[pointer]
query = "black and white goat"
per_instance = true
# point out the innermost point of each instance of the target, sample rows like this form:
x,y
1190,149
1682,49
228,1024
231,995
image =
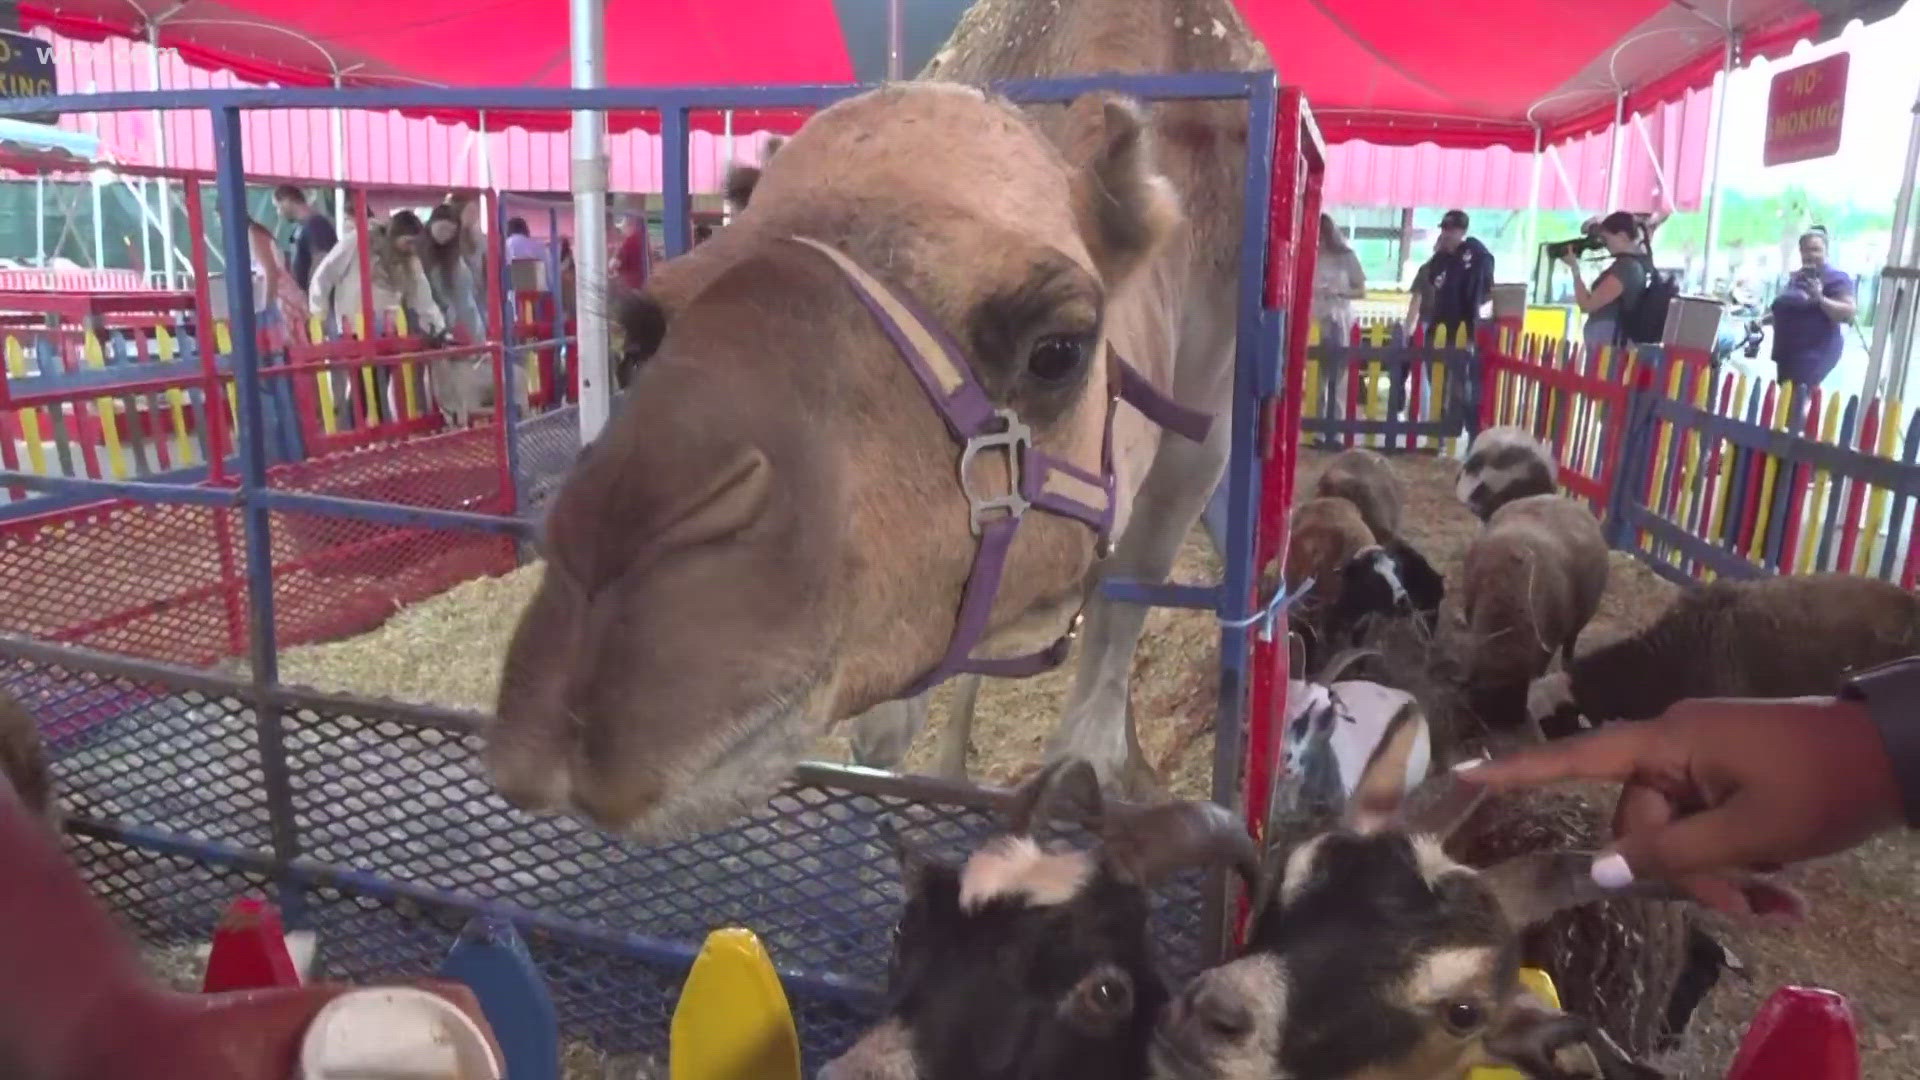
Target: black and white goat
x,y
1504,464
1373,954
1029,963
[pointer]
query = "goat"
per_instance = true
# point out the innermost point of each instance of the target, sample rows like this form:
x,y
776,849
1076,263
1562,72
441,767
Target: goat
x,y
1534,578
1028,963
1372,953
1789,636
1366,479
1354,575
23,760
1504,464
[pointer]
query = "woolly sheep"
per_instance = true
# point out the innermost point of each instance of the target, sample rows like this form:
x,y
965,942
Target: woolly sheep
x,y
1534,578
1504,464
1366,479
1771,637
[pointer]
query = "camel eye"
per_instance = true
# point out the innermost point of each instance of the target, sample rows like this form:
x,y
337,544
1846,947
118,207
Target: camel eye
x,y
1056,358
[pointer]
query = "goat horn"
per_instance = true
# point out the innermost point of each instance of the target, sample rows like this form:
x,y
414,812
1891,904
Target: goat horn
x,y
1145,844
1032,805
1331,671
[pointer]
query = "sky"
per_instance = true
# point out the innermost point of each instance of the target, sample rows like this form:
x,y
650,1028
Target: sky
x,y
1883,79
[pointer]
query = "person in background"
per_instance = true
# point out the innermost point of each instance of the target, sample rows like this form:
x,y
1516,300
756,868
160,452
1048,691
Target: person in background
x,y
1808,314
399,281
566,275
1338,280
633,261
1618,287
520,242
1723,787
274,288
313,235
449,251
1462,274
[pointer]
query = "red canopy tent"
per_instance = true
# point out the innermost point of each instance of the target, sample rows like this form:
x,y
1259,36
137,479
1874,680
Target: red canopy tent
x,y
1469,73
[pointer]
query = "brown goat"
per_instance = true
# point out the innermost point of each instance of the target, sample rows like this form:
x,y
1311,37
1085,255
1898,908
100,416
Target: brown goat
x,y
1366,479
1534,578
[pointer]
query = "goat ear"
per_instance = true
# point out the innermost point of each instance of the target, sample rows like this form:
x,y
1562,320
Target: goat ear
x,y
1126,209
913,862
1441,804
1532,888
1144,845
1425,586
1548,1044
1384,782
1033,802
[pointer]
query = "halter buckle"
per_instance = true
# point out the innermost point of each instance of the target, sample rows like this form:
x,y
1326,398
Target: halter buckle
x,y
1015,437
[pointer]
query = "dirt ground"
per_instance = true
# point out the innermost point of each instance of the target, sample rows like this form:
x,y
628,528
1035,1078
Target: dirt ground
x,y
1860,941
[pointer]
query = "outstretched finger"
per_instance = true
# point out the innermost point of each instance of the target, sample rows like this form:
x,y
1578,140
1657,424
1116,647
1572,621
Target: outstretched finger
x,y
1730,837
1614,752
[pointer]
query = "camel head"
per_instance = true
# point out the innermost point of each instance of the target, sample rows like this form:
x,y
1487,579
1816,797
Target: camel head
x,y
772,534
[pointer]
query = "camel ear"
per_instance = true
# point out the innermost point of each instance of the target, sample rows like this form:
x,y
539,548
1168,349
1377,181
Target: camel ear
x,y
1126,208
742,179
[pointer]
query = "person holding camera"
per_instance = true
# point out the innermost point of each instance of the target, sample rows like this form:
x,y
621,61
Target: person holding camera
x,y
1619,287
1808,314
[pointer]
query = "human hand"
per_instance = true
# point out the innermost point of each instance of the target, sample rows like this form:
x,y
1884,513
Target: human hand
x,y
1570,259
1713,788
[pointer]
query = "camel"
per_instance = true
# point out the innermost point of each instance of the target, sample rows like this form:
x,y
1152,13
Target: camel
x,y
769,538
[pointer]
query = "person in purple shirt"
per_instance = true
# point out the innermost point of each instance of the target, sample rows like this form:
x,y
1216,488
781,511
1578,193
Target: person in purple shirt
x,y
1808,314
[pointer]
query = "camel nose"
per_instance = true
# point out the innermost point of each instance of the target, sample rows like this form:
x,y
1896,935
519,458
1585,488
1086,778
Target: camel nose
x,y
730,497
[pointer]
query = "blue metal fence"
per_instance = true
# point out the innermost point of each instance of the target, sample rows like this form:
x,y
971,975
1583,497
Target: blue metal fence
x,y
372,822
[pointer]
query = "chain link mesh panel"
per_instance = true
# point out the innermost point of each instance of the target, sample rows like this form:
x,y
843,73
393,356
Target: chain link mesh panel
x,y
335,577
545,448
145,579
401,839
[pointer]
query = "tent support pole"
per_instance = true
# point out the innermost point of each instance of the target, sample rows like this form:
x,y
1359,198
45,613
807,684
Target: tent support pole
x,y
893,40
160,159
1897,306
40,218
588,53
1719,121
1533,192
1613,153
336,121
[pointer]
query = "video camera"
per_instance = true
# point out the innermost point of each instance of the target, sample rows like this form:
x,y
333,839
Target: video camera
x,y
1586,242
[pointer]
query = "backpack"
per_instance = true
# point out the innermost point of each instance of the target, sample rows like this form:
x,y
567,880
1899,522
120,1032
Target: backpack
x,y
1646,322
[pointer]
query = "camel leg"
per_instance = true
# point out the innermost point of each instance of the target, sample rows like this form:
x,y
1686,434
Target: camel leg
x,y
957,737
1097,724
882,734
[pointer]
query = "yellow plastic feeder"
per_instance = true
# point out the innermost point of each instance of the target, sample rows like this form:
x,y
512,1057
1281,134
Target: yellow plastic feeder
x,y
733,1022
1542,986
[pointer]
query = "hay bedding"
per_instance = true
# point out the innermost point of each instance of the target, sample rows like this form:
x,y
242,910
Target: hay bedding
x,y
446,651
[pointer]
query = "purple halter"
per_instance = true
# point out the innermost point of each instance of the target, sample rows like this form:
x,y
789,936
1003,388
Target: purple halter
x,y
1036,479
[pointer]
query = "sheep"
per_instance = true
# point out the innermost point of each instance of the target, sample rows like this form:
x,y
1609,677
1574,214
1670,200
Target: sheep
x,y
1355,577
1372,953
1534,577
1367,480
1504,464
1771,637
23,759
1028,963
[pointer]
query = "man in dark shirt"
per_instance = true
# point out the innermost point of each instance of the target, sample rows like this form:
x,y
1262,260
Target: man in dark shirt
x,y
313,234
1806,316
1460,273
